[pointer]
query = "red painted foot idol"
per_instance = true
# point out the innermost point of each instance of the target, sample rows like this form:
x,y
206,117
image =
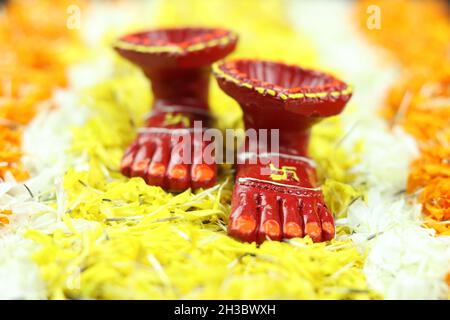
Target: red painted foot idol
x,y
178,62
276,195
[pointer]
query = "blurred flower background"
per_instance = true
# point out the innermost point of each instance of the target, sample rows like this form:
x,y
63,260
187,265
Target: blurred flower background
x,y
72,227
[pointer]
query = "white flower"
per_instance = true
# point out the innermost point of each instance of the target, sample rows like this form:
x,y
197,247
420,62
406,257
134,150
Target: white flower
x,y
404,260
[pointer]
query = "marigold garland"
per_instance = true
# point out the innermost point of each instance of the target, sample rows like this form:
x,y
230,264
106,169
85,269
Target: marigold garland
x,y
119,238
32,64
421,101
147,243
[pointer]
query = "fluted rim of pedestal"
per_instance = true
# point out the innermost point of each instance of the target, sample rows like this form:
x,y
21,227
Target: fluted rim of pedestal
x,y
285,84
255,75
176,41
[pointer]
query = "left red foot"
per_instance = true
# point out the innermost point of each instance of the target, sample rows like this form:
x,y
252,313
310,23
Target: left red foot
x,y
169,153
177,61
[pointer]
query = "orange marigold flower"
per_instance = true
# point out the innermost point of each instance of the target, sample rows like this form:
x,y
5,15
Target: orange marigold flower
x,y
4,213
31,67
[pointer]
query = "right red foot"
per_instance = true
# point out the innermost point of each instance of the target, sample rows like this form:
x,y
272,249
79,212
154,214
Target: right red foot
x,y
279,198
279,201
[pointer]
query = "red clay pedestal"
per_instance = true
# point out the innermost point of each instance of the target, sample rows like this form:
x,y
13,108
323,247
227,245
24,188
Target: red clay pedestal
x,y
276,195
178,62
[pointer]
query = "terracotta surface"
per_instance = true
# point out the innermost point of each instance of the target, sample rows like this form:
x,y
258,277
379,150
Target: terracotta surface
x,y
178,63
277,195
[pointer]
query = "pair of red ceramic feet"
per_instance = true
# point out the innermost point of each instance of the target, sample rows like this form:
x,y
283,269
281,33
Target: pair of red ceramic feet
x,y
276,195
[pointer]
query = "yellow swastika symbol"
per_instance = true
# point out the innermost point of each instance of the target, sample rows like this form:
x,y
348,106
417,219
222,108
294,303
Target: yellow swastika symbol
x,y
283,173
172,119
